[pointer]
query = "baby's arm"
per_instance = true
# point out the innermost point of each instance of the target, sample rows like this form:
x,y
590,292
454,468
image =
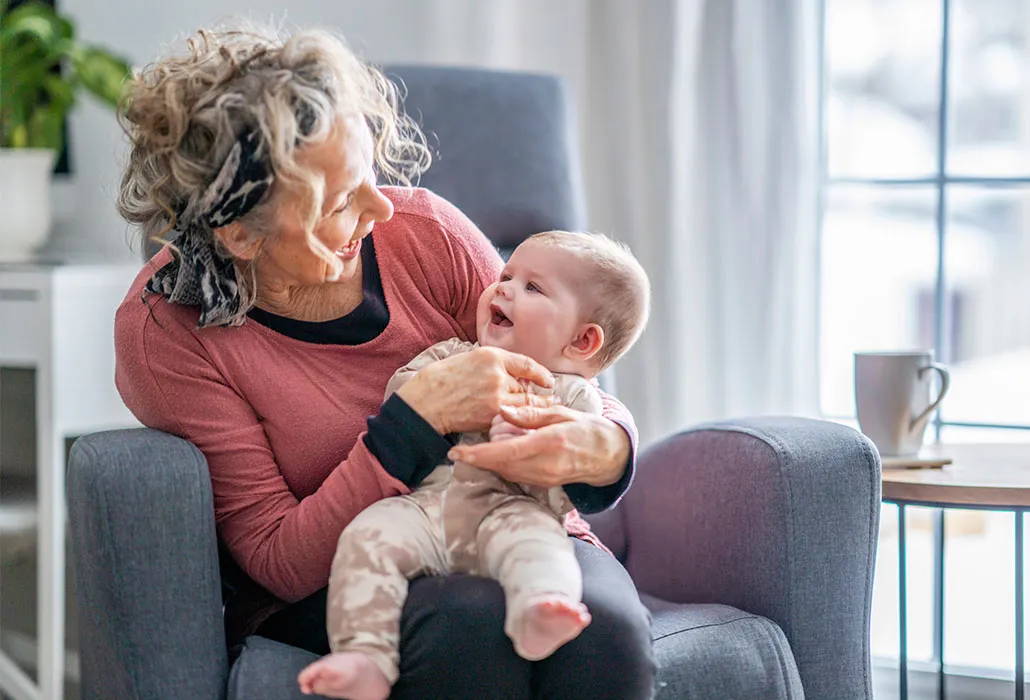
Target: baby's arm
x,y
440,351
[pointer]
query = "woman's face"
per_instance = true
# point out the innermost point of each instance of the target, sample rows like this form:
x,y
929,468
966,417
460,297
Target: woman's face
x,y
351,206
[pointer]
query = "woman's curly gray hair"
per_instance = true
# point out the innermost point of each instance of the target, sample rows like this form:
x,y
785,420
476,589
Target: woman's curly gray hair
x,y
184,113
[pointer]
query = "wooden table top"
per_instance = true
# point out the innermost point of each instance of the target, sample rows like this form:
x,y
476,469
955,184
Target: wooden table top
x,y
981,474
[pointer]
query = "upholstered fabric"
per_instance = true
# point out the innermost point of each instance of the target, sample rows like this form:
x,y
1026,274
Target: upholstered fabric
x,y
267,670
775,516
502,145
715,651
146,566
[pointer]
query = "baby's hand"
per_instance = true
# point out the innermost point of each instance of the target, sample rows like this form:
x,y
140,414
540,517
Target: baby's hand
x,y
501,429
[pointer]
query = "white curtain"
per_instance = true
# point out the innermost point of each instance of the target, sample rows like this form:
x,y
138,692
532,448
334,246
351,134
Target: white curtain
x,y
742,277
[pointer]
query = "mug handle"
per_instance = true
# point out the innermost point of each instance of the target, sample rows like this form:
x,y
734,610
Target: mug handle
x,y
945,382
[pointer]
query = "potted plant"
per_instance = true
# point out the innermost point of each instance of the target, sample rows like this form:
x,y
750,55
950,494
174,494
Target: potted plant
x,y
43,68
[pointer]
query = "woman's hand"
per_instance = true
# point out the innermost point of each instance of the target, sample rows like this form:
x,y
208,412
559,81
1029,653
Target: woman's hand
x,y
562,446
464,392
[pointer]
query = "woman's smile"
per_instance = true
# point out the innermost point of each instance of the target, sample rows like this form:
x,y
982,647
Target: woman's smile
x,y
350,251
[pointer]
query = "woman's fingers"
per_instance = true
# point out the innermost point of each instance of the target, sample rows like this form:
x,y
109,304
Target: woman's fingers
x,y
500,456
533,415
526,399
522,367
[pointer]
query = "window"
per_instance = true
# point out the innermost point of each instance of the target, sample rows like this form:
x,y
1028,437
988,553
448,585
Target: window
x,y
926,244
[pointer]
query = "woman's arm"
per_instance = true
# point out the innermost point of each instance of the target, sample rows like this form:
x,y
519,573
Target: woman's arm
x,y
284,544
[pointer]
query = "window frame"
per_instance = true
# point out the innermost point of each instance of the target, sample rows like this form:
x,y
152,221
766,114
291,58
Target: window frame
x,y
941,182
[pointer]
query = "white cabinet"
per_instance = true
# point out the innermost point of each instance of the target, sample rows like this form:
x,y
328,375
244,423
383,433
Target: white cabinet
x,y
58,320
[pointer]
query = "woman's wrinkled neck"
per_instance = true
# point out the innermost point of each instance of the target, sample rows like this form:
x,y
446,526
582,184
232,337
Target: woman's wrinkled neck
x,y
323,302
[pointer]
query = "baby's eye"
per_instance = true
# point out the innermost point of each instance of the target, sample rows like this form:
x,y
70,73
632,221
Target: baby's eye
x,y
505,277
531,287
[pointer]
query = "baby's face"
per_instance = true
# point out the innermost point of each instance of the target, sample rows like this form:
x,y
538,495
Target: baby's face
x,y
533,309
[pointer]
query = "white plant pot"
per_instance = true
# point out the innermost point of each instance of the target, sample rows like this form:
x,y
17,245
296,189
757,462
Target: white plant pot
x,y
25,217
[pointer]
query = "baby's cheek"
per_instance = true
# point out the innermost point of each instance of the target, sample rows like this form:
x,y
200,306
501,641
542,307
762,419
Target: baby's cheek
x,y
487,296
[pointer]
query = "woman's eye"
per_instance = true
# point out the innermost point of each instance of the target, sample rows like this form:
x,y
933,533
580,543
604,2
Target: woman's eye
x,y
345,206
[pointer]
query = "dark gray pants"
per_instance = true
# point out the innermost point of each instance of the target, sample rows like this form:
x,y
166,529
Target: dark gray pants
x,y
453,645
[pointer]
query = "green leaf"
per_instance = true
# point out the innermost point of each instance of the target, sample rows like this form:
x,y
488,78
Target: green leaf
x,y
19,136
64,28
60,92
102,74
33,19
45,128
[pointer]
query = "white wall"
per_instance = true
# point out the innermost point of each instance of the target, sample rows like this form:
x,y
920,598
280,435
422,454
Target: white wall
x,y
470,32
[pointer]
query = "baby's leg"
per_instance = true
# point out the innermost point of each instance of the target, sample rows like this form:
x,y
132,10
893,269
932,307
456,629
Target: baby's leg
x,y
389,543
523,546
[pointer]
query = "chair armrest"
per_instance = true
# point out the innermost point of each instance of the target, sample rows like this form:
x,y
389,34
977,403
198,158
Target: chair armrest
x,y
775,516
146,562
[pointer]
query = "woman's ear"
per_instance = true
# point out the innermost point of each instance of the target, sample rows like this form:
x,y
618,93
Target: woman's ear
x,y
588,341
237,241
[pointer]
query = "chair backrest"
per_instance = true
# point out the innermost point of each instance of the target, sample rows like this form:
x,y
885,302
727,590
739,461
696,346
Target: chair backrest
x,y
503,148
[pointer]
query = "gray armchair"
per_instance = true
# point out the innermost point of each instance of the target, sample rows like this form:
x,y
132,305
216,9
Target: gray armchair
x,y
751,542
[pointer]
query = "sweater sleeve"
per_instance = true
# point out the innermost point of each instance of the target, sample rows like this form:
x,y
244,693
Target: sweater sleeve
x,y
405,444
169,382
478,265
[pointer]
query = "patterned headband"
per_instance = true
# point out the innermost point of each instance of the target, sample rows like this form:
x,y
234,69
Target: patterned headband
x,y
199,275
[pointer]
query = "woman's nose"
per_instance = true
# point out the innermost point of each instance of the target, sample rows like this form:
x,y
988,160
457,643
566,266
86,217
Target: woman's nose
x,y
378,206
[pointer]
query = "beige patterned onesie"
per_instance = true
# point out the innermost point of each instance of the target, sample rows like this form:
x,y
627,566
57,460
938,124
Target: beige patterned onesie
x,y
460,520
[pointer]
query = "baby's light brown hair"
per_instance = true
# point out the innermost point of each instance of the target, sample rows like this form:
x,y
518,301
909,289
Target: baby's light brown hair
x,y
614,293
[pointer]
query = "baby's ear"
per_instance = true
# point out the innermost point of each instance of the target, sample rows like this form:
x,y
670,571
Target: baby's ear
x,y
588,341
238,242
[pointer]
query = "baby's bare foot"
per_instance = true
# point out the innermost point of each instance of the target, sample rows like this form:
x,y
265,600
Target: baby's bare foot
x,y
548,624
345,675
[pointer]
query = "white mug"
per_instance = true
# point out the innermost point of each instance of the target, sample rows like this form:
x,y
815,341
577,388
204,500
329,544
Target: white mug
x,y
892,394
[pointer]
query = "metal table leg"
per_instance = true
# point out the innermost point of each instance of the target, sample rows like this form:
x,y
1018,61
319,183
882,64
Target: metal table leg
x,y
1019,604
938,598
902,610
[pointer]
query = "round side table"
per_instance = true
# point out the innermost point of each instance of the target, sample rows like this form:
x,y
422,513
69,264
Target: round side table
x,y
992,477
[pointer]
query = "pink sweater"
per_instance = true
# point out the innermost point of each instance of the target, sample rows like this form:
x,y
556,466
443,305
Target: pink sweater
x,y
280,420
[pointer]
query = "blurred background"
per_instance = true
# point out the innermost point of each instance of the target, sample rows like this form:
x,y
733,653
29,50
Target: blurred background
x,y
926,244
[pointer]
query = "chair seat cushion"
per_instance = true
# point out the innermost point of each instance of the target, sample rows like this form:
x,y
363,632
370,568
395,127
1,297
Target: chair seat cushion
x,y
267,670
703,651
715,651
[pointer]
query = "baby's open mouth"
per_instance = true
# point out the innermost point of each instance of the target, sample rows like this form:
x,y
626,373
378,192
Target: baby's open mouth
x,y
498,318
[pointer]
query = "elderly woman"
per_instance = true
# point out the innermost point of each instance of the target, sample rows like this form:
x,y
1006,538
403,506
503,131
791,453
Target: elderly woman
x,y
266,332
